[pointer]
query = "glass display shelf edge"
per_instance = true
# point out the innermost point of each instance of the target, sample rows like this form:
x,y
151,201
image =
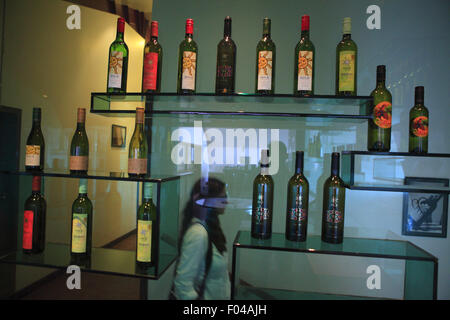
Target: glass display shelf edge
x,y
116,176
403,154
103,261
398,188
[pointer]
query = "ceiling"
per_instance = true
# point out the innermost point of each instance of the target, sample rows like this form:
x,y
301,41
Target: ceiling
x,y
141,5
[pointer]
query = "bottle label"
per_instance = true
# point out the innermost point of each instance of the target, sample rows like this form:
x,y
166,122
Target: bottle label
x,y
32,155
419,126
28,218
347,70
297,214
305,70
189,68
115,69
334,216
79,163
79,232
260,213
150,71
382,114
144,241
265,70
137,166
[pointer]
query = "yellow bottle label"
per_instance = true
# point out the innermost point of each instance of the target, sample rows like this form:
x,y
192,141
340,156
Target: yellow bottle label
x,y
32,155
189,69
265,64
305,70
79,232
347,70
144,241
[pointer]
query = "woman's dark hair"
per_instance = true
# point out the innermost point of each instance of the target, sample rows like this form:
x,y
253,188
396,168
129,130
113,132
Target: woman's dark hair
x,y
205,189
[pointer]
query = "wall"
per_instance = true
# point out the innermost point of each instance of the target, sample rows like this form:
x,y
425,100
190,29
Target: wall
x,y
412,44
46,65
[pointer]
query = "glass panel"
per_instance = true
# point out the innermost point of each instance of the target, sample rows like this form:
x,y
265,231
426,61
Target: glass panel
x,y
241,104
350,246
387,171
168,226
420,280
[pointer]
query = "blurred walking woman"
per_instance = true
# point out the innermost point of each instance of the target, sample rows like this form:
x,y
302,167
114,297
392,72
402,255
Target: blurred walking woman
x,y
202,265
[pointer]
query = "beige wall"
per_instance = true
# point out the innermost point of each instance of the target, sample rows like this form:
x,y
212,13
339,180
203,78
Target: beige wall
x,y
47,65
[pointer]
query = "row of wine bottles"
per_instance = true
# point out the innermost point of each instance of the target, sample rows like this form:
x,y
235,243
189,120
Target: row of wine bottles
x,y
304,62
297,203
34,222
79,147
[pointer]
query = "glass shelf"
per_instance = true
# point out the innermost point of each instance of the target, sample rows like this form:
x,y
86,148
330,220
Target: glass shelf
x,y
386,171
96,175
375,248
398,188
239,104
105,261
253,293
420,267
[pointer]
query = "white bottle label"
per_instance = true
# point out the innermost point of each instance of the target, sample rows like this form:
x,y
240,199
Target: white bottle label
x,y
188,71
32,155
265,64
305,69
115,69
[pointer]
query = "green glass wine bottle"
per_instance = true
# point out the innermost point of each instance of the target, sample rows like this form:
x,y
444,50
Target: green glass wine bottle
x,y
226,61
418,124
304,62
34,219
79,148
118,61
297,202
265,62
346,62
262,204
146,237
138,149
152,66
187,61
333,204
81,231
379,128
35,148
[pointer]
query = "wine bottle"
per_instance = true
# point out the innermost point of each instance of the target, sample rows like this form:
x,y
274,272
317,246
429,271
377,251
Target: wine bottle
x,y
226,61
146,241
34,219
297,203
118,61
81,232
79,148
418,124
35,148
262,205
151,73
346,62
304,62
333,204
265,62
137,151
187,61
379,128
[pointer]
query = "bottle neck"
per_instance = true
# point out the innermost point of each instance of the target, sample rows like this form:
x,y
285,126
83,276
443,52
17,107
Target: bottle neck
x,y
80,126
148,198
189,36
299,164
264,170
154,39
119,36
36,124
347,36
335,168
381,83
305,34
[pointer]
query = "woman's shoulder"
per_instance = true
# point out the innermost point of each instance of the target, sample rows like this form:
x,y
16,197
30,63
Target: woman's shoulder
x,y
196,232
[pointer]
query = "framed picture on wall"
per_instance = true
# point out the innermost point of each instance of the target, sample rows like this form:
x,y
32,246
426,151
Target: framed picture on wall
x,y
118,136
425,214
